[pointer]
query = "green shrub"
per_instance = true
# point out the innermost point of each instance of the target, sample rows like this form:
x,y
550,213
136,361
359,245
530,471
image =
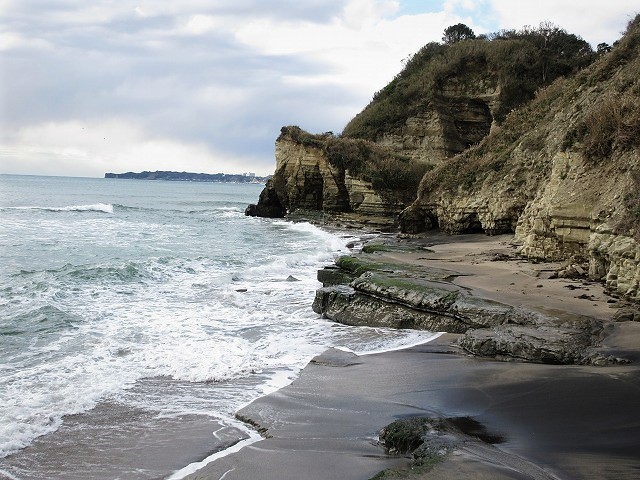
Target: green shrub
x,y
520,61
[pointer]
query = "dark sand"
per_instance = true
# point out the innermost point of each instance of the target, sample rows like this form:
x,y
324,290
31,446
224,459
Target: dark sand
x,y
567,422
564,422
115,442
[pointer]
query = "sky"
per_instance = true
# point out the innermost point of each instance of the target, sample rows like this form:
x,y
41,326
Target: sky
x,y
89,87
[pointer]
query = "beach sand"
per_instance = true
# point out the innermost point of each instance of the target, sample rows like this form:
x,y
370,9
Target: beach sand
x,y
568,422
555,421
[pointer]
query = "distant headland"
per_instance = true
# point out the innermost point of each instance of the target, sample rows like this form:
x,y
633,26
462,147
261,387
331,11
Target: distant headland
x,y
190,177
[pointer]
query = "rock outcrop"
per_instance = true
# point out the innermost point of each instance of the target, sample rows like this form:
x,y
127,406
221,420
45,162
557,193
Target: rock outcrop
x,y
447,98
560,173
269,205
461,116
362,290
320,176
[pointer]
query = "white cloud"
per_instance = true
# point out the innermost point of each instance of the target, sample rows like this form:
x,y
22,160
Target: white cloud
x,y
363,55
199,24
358,13
206,84
94,148
12,40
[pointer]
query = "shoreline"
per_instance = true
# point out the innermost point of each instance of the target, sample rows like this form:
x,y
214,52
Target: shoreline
x,y
252,431
324,425
311,423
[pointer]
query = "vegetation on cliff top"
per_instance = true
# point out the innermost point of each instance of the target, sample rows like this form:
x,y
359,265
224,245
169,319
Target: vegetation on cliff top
x,y
386,169
520,62
601,108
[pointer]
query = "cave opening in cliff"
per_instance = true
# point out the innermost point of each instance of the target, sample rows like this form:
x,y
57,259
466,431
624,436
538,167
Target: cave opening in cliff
x,y
473,122
472,224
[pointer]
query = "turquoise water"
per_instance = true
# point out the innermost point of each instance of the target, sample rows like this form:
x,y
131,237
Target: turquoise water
x,y
156,296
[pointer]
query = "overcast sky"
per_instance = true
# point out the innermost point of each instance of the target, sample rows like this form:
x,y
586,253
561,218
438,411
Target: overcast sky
x,y
95,86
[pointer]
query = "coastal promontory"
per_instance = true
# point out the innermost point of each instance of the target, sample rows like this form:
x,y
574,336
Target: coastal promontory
x,y
500,178
525,132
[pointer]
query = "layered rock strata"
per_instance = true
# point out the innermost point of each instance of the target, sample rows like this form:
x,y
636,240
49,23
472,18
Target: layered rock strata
x,y
560,173
363,291
307,184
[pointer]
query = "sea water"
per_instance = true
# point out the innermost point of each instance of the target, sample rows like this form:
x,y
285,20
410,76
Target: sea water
x,y
129,307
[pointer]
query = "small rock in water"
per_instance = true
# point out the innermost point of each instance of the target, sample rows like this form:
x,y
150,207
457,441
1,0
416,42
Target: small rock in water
x,y
291,278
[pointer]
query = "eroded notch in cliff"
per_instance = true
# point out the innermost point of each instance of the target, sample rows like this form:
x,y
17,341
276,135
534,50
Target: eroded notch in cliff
x,y
472,224
474,123
465,122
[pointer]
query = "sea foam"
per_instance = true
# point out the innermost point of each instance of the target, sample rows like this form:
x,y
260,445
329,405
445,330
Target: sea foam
x,y
98,207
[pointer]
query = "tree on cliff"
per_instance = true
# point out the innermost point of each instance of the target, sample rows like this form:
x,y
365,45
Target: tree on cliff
x,y
559,52
520,61
456,33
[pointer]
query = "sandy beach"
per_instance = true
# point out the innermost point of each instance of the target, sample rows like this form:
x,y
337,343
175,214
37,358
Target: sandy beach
x,y
556,422
553,421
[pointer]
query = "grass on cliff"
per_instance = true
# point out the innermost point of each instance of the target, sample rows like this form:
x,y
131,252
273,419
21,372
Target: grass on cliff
x,y
387,170
608,125
611,126
600,112
519,62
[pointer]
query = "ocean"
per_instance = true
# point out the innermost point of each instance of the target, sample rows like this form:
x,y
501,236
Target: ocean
x,y
137,316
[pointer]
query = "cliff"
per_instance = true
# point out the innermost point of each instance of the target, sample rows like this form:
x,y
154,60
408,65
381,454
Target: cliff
x,y
446,99
339,179
561,173
449,97
557,166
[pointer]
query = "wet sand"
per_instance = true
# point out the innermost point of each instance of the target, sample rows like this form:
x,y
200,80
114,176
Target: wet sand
x,y
567,422
113,441
513,280
562,422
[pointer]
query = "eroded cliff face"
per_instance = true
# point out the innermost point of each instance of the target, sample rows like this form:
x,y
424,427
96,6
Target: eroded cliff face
x,y
561,174
306,183
461,114
579,212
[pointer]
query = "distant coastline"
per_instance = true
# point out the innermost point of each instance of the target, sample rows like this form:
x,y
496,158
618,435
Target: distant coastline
x,y
190,177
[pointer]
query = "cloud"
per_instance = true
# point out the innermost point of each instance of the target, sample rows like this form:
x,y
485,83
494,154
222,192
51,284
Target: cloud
x,y
211,74
84,148
206,84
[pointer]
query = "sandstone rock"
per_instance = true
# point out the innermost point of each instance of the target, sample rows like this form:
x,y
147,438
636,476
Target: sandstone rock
x,y
540,343
627,314
333,275
385,300
307,184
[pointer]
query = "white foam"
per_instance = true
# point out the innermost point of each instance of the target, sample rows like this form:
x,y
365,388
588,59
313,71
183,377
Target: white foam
x,y
180,317
419,341
8,475
98,207
194,467
277,381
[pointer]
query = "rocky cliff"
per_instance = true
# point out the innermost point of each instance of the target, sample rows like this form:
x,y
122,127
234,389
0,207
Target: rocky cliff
x,y
339,179
560,173
447,98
